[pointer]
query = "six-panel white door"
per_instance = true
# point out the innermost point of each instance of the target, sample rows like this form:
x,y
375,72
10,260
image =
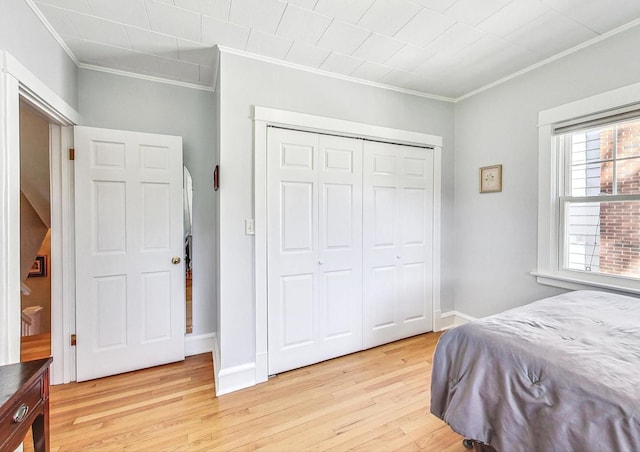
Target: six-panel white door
x,y
397,242
129,294
314,201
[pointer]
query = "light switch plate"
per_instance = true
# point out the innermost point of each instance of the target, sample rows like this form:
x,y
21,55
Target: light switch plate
x,y
250,227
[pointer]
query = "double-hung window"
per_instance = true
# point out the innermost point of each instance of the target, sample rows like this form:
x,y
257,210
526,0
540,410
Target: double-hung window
x,y
600,203
589,206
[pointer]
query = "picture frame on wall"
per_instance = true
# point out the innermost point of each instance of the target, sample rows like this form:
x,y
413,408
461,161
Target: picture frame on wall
x,y
39,267
491,179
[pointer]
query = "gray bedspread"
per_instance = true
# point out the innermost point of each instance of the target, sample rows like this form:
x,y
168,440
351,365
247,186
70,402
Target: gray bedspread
x,y
559,374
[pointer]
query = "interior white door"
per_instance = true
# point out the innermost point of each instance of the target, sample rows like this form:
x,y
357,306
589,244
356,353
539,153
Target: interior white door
x,y
314,204
397,242
130,297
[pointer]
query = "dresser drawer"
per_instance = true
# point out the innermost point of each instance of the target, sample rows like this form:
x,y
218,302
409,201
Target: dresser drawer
x,y
31,399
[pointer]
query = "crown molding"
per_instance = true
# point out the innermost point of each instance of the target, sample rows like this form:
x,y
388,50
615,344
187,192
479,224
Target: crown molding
x,y
290,65
555,57
316,71
98,68
150,78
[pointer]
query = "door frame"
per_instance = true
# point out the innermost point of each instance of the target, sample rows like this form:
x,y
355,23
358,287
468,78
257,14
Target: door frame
x,y
16,83
264,117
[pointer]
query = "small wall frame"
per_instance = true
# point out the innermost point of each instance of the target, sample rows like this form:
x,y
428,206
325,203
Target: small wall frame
x,y
491,179
39,267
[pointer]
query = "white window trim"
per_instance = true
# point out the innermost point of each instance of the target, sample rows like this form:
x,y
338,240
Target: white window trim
x,y
549,271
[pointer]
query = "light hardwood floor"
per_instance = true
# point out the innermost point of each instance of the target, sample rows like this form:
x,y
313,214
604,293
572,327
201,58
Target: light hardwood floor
x,y
374,400
35,347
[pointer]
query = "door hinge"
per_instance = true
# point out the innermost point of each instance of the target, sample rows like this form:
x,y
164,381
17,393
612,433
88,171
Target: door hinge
x,y
72,154
73,339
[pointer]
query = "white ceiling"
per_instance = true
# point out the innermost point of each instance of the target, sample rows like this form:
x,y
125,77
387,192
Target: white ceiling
x,y
444,48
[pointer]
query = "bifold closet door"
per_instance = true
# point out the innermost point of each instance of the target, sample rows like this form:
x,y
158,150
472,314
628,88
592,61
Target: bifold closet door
x,y
314,233
397,242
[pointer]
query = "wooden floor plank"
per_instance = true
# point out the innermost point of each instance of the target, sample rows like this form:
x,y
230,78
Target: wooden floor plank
x,y
35,347
373,400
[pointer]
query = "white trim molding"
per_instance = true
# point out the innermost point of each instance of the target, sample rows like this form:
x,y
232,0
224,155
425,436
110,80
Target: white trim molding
x,y
550,269
149,78
313,70
197,344
566,282
38,94
93,67
551,59
335,75
216,361
314,123
264,117
236,378
452,319
9,217
610,100
17,83
63,284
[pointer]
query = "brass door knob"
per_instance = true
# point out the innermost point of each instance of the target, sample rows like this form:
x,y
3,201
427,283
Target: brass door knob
x,y
176,260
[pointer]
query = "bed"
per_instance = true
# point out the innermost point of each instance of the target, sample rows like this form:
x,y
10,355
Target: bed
x,y
559,374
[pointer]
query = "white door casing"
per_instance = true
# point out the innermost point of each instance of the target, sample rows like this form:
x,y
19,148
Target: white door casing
x,y
398,242
228,379
314,195
17,82
129,295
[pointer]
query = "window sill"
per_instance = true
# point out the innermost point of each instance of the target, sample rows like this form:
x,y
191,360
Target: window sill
x,y
566,282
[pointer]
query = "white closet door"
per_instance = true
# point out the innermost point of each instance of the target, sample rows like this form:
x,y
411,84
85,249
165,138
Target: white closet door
x,y
340,244
314,254
397,241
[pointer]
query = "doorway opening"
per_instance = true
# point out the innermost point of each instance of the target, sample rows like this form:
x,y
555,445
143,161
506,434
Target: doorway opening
x,y
35,234
188,249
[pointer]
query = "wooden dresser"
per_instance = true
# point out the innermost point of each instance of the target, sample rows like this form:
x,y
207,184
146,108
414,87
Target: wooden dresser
x,y
24,396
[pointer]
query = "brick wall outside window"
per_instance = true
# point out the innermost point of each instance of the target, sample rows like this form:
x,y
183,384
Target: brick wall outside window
x,y
620,221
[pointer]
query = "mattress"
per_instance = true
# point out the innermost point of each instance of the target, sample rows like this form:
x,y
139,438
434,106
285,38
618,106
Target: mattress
x,y
559,374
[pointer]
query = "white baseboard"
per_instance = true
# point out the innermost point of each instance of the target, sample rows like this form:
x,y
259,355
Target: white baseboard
x,y
235,378
454,318
437,320
262,367
202,343
216,363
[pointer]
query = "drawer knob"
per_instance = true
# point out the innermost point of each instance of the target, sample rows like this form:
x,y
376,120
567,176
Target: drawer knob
x,y
20,413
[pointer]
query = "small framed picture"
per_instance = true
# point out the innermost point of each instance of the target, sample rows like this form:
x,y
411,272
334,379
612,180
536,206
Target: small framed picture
x,y
491,179
39,267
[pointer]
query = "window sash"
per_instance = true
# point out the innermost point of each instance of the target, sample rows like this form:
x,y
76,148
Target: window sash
x,y
567,248
564,144
584,256
600,198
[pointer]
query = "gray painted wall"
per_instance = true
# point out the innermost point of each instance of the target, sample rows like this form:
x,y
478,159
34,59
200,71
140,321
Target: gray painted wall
x,y
496,234
26,38
126,103
245,82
